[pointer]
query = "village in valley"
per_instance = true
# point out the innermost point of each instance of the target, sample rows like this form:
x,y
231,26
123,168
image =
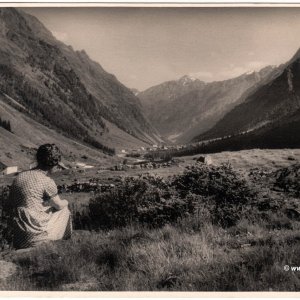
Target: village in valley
x,y
132,158
136,158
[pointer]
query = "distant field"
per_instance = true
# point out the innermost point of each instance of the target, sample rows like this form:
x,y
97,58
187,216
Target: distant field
x,y
256,158
267,159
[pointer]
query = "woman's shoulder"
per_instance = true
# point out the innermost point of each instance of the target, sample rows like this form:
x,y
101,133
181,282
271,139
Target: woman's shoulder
x,y
31,172
32,175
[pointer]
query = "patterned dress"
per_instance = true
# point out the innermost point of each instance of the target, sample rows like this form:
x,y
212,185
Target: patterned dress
x,y
35,220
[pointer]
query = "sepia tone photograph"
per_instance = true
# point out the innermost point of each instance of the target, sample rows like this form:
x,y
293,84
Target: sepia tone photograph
x,y
150,148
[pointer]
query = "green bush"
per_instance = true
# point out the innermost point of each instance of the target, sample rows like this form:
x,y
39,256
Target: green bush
x,y
145,200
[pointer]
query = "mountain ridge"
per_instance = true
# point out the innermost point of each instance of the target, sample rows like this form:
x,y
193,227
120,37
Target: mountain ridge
x,y
181,109
266,106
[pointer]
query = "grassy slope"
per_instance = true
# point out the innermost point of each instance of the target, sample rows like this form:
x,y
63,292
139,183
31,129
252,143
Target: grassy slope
x,y
119,139
269,159
28,134
135,259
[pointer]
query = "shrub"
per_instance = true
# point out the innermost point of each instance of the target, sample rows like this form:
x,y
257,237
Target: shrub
x,y
146,200
225,194
134,155
288,179
5,218
215,193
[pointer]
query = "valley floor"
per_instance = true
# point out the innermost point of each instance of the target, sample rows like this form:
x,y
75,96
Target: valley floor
x,y
267,159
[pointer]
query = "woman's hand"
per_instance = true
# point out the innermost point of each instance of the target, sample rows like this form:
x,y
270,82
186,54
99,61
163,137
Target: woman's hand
x,y
58,203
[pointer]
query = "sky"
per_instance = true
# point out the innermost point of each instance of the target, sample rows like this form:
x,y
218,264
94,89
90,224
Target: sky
x,y
146,46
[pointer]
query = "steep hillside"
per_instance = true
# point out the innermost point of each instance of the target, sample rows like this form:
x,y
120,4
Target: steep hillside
x,y
62,88
271,109
182,109
18,146
280,134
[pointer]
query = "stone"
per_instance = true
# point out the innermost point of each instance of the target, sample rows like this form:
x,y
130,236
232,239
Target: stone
x,y
205,160
245,245
80,286
7,269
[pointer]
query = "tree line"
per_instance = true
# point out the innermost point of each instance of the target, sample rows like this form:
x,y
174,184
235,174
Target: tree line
x,y
5,124
71,119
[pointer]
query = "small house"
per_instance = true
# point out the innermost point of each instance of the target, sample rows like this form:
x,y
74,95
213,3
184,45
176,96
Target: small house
x,y
10,170
80,165
32,165
208,160
205,159
62,166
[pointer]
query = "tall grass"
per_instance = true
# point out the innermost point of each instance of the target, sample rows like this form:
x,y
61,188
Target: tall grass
x,y
169,258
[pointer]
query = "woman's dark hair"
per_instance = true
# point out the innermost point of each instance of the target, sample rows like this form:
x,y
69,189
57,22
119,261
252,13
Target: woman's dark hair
x,y
48,155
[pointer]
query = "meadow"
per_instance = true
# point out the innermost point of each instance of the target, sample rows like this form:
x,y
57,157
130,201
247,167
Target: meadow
x,y
220,227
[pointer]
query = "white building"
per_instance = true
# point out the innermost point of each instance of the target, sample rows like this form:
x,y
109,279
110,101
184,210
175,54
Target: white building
x,y
83,166
10,170
208,160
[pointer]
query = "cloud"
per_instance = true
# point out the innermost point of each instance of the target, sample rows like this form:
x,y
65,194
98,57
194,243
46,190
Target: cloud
x,y
234,71
231,71
257,65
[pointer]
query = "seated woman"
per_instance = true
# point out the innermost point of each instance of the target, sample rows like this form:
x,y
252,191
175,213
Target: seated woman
x,y
39,213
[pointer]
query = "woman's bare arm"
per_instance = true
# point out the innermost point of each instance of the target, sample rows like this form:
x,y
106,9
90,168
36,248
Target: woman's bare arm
x,y
58,203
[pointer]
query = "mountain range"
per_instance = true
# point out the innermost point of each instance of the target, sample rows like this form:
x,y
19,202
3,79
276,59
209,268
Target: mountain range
x,y
184,108
257,109
269,116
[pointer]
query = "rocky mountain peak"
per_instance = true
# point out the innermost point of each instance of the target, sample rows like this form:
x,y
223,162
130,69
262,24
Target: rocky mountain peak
x,y
188,79
181,109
